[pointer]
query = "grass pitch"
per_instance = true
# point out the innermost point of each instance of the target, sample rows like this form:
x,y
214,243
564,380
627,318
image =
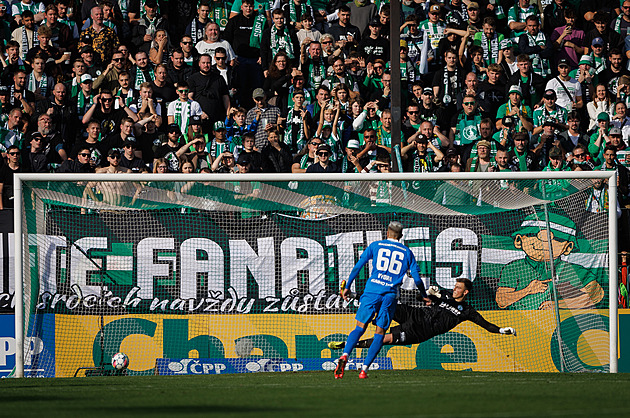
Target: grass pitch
x,y
414,393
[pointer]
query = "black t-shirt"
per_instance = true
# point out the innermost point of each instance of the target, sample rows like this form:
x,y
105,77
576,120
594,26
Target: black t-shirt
x,y
164,94
373,49
147,143
97,151
317,168
110,122
135,164
6,178
209,90
492,96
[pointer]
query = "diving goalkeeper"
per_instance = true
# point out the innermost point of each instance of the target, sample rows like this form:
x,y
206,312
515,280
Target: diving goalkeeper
x,y
444,313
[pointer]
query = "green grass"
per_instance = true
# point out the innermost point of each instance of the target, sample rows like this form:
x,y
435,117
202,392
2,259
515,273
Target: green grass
x,y
318,394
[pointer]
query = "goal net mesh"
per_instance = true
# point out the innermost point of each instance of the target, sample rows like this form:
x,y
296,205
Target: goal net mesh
x,y
230,269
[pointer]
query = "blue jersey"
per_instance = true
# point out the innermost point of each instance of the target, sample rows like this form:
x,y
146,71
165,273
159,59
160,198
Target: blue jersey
x,y
390,262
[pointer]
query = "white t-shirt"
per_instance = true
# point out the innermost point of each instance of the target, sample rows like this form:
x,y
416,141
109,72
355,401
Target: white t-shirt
x,y
565,100
189,108
204,47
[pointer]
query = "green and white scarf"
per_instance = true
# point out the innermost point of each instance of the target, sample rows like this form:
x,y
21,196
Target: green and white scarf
x,y
83,104
215,148
182,114
220,12
294,118
25,42
259,26
127,96
540,66
293,16
491,49
316,74
33,84
280,39
422,165
141,78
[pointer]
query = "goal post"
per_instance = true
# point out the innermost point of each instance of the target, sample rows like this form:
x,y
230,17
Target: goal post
x,y
248,266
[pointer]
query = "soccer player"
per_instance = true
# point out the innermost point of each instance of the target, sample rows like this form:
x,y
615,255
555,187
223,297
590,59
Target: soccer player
x,y
390,262
419,324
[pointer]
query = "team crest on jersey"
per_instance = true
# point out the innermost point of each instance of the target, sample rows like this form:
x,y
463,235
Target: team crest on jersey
x,y
460,308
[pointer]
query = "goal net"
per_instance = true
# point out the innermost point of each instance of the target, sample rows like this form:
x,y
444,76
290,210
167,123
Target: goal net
x,y
224,273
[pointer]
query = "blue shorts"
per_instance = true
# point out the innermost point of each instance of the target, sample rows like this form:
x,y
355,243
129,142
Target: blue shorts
x,y
381,307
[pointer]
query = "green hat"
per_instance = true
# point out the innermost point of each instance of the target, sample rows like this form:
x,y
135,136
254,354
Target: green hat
x,y
603,116
563,228
218,126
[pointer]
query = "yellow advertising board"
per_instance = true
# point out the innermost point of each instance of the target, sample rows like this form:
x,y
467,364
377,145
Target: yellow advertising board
x,y
145,338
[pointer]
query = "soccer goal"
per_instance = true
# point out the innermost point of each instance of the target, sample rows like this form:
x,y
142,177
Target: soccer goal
x,y
240,273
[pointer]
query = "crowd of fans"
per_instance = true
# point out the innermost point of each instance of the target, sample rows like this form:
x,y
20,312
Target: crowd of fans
x,y
305,86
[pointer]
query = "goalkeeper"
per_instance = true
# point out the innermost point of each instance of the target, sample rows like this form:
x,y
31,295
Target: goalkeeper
x,y
444,313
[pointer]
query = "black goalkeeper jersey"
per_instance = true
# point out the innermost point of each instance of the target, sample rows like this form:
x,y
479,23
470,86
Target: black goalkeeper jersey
x,y
444,314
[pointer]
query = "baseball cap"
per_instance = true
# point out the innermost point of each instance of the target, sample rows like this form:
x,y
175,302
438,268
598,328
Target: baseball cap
x,y
603,116
173,127
195,120
435,8
516,89
563,62
113,151
218,126
562,226
422,138
586,59
403,44
353,144
615,131
4,90
375,22
324,147
258,93
151,4
550,94
86,48
597,41
130,141
483,143
36,135
243,159
549,122
86,78
473,5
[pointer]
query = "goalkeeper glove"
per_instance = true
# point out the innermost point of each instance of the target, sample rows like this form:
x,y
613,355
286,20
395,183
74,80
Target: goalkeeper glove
x,y
507,331
435,291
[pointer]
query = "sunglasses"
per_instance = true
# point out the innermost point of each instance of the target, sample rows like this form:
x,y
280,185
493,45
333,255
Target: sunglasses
x,y
326,42
582,155
118,59
114,156
13,153
413,112
186,42
107,99
469,103
369,136
219,58
84,154
322,154
183,91
315,143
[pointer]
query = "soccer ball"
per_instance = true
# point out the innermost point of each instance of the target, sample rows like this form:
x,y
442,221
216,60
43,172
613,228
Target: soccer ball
x,y
120,361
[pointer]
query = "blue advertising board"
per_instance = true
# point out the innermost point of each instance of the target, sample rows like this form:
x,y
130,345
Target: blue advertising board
x,y
180,366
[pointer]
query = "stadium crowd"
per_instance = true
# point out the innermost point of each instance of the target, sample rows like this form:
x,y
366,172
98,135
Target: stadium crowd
x,y
305,86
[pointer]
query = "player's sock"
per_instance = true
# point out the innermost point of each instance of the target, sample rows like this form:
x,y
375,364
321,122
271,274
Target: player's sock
x,y
377,343
353,338
365,343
